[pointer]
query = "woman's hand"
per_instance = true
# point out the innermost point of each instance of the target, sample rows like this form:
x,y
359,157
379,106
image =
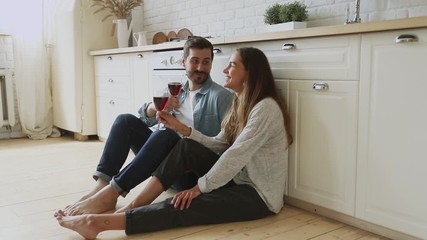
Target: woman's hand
x,y
173,103
172,123
168,119
183,199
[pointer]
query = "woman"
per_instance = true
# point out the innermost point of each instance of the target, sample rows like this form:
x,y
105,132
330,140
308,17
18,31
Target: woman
x,y
242,171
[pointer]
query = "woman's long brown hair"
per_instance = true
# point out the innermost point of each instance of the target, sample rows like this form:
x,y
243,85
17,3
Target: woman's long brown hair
x,y
260,84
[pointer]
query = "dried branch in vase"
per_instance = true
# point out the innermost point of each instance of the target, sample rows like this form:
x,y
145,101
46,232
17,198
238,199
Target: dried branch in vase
x,y
121,9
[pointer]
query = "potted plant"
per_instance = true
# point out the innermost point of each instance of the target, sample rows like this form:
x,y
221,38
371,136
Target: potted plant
x,y
121,9
288,16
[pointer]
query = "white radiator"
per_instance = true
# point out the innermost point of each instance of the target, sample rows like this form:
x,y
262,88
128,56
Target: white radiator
x,y
7,99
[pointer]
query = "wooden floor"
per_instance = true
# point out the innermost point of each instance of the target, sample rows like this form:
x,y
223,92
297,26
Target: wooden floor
x,y
40,176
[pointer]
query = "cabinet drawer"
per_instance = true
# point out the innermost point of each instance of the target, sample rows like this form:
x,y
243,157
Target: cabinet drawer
x,y
324,58
113,65
118,87
108,109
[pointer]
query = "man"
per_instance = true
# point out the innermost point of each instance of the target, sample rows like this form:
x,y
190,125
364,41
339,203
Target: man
x,y
202,104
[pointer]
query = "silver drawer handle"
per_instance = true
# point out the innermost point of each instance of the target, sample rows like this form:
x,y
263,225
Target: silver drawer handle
x,y
404,38
140,56
109,58
217,50
111,80
288,46
111,102
320,86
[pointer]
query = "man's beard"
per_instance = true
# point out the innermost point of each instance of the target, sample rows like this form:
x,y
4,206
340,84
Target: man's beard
x,y
199,79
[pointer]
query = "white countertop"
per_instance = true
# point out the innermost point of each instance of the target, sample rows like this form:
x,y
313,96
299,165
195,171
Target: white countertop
x,y
387,25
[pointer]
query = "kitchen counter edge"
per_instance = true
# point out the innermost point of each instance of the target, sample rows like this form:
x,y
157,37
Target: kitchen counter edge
x,y
378,26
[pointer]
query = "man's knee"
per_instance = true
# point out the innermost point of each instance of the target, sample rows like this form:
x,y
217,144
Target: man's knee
x,y
127,120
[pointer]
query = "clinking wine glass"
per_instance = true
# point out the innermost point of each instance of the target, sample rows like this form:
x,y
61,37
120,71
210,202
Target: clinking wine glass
x,y
160,104
174,89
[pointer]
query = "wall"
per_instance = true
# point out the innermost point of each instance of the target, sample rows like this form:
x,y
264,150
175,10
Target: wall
x,y
241,17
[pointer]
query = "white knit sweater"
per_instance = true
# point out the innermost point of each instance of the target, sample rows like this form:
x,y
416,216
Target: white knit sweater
x,y
258,156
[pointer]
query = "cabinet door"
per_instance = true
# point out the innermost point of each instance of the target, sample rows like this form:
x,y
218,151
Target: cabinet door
x,y
392,157
283,88
140,80
108,110
322,159
113,90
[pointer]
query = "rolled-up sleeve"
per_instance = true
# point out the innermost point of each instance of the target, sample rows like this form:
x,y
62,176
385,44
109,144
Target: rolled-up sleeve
x,y
150,121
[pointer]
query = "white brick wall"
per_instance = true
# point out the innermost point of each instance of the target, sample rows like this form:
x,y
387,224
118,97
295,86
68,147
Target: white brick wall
x,y
239,17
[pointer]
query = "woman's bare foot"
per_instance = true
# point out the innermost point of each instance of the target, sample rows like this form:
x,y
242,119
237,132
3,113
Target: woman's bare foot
x,y
80,224
104,200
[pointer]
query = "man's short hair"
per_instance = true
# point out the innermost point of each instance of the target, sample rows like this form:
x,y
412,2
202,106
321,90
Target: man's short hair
x,y
199,43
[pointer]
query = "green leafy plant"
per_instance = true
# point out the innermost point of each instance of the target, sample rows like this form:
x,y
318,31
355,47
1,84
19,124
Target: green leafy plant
x,y
272,14
288,12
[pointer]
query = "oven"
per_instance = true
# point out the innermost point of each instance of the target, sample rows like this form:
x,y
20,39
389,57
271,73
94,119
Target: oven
x,y
166,67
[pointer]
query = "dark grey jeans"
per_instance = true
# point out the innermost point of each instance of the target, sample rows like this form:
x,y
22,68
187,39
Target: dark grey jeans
x,y
230,203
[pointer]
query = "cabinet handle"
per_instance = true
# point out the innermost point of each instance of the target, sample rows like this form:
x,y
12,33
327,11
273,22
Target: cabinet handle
x,y
288,46
140,56
111,80
404,38
320,86
217,50
109,58
111,102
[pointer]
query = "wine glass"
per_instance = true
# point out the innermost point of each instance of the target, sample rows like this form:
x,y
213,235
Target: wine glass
x,y
174,89
160,101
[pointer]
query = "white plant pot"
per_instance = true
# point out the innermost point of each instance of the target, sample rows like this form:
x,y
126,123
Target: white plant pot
x,y
123,32
286,26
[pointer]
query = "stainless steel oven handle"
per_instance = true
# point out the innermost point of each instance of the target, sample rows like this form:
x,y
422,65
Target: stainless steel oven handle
x,y
217,50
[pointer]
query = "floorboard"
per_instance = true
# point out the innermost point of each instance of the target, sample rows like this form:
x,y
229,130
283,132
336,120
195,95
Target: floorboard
x,y
41,176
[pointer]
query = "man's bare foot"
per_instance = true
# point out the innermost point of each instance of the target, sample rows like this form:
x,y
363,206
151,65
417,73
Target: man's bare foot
x,y
124,209
80,224
102,201
100,184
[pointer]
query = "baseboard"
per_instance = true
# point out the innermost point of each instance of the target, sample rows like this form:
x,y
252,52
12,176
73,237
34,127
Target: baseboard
x,y
352,221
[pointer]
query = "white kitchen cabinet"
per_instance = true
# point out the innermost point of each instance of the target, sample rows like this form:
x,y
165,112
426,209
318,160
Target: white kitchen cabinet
x,y
140,79
113,90
122,86
76,31
322,159
283,88
392,157
322,58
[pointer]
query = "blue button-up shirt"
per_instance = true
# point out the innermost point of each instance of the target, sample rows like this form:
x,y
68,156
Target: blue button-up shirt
x,y
212,104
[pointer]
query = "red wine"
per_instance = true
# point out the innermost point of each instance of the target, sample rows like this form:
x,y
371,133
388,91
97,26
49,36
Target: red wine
x,y
174,88
160,102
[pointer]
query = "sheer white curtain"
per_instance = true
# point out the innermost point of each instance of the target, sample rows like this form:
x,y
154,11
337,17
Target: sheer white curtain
x,y
29,22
